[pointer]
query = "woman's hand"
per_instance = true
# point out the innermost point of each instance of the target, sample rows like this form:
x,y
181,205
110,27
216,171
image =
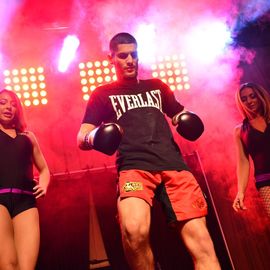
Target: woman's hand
x,y
40,190
238,203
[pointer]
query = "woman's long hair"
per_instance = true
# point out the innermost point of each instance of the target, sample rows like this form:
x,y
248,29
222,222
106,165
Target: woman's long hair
x,y
264,99
18,120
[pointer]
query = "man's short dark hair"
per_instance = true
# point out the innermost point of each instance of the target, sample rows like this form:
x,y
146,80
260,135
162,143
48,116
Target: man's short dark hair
x,y
121,38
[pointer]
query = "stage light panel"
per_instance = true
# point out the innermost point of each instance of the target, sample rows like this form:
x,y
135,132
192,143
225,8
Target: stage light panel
x,y
172,71
28,83
94,74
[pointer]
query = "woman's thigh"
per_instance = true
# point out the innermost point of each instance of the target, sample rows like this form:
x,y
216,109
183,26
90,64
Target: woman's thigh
x,y
27,237
265,195
7,247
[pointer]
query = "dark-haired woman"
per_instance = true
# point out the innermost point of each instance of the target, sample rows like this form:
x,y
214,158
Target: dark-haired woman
x,y
19,219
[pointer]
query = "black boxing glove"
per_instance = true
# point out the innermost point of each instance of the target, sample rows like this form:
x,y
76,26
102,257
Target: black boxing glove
x,y
106,138
189,125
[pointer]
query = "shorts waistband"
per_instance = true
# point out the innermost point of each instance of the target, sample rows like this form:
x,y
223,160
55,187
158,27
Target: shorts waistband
x,y
262,177
15,190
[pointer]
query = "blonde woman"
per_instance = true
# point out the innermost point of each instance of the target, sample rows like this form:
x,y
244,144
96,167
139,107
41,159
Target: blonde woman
x,y
252,139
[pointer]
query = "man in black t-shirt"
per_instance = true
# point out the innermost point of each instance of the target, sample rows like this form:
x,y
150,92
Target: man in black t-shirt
x,y
129,116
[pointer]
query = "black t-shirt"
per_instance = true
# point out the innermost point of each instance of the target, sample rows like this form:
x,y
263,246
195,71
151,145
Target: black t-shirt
x,y
16,164
139,108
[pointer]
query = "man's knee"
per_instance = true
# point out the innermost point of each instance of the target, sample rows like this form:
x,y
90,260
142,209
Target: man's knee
x,y
135,234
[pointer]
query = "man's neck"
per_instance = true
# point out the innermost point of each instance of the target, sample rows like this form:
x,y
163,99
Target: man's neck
x,y
130,81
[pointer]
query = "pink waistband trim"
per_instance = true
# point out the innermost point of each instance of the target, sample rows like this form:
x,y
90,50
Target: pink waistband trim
x,y
262,177
15,190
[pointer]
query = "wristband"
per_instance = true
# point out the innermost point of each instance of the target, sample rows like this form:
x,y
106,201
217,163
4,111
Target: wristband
x,y
86,143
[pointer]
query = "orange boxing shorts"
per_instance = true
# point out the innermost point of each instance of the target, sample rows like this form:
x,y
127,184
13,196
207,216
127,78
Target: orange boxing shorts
x,y
178,191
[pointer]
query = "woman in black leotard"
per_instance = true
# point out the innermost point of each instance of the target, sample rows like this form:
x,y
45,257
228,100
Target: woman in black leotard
x,y
19,219
253,140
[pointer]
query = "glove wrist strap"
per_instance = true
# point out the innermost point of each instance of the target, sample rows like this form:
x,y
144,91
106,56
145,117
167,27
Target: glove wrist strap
x,y
86,142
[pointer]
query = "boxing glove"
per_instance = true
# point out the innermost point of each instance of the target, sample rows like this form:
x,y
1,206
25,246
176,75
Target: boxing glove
x,y
189,125
106,138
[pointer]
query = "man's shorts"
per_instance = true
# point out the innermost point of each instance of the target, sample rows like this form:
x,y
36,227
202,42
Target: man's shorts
x,y
17,203
178,191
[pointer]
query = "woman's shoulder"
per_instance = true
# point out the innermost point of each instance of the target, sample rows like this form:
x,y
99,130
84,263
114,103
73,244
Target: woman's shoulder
x,y
238,126
237,129
29,134
26,133
242,125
